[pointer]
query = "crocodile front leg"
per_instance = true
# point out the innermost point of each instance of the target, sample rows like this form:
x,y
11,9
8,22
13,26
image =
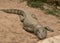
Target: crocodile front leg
x,y
49,29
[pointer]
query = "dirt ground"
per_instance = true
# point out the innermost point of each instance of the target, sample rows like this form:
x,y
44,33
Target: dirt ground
x,y
11,29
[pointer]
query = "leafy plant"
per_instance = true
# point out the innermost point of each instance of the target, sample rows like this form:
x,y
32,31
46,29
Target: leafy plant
x,y
35,3
40,4
54,12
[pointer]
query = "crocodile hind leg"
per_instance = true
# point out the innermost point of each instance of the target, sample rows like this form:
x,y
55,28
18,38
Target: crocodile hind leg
x,y
21,18
34,16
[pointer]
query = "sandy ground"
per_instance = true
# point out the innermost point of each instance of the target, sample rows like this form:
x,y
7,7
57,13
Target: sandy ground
x,y
11,29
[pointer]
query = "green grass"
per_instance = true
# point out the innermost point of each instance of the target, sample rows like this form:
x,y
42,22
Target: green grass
x,y
54,12
40,4
35,4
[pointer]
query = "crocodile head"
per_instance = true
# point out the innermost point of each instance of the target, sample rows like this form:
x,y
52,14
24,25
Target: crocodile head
x,y
40,31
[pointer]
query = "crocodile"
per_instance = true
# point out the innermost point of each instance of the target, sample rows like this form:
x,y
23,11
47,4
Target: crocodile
x,y
30,22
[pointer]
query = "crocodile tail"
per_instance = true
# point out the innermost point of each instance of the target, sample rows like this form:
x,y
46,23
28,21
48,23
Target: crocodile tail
x,y
13,11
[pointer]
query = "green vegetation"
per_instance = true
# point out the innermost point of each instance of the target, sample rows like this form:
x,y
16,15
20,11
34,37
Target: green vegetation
x,y
55,12
35,4
40,4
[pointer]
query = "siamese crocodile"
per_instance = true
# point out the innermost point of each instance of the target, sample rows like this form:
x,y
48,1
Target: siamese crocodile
x,y
30,22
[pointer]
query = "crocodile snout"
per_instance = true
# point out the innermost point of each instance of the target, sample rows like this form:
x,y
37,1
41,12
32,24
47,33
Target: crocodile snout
x,y
41,32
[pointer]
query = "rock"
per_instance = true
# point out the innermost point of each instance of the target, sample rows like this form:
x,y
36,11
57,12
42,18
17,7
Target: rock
x,y
55,39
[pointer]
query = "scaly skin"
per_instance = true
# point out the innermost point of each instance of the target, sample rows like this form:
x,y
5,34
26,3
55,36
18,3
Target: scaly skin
x,y
30,22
